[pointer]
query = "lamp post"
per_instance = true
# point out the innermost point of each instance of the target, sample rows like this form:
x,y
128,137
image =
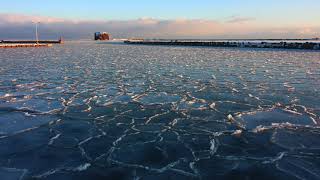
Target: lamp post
x,y
37,36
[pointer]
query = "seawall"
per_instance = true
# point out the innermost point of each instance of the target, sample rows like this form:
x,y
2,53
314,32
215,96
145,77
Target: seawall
x,y
240,44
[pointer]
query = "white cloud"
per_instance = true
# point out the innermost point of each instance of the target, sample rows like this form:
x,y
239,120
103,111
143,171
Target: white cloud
x,y
239,19
19,18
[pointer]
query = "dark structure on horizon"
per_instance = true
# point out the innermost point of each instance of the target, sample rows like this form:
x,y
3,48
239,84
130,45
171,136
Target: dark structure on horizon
x,y
103,36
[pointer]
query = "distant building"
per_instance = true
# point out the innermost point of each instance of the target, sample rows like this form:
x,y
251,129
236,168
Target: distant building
x,y
101,36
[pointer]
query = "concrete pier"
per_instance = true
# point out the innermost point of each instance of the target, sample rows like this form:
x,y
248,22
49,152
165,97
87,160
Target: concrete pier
x,y
313,45
60,41
23,45
31,42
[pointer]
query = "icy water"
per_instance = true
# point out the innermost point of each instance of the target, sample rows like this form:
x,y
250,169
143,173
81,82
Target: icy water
x,y
111,111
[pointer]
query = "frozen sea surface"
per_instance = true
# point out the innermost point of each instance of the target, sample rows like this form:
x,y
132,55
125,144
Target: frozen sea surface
x,y
112,111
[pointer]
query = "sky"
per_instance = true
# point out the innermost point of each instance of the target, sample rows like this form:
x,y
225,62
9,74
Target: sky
x,y
78,19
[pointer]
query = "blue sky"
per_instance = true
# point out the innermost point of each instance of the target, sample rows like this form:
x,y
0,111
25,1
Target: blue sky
x,y
269,10
165,18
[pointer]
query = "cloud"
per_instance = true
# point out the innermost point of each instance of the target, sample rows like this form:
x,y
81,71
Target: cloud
x,y
18,18
239,19
15,26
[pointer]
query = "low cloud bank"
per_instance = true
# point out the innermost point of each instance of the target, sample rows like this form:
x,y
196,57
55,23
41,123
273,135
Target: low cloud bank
x,y
15,26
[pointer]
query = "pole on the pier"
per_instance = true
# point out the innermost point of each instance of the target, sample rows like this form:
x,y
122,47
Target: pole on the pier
x,y
37,36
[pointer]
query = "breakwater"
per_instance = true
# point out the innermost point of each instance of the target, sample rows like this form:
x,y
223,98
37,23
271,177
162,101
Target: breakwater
x,y
60,41
315,45
29,43
23,45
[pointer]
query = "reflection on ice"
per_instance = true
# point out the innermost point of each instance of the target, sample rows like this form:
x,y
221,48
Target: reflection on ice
x,y
12,173
268,117
157,98
16,122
